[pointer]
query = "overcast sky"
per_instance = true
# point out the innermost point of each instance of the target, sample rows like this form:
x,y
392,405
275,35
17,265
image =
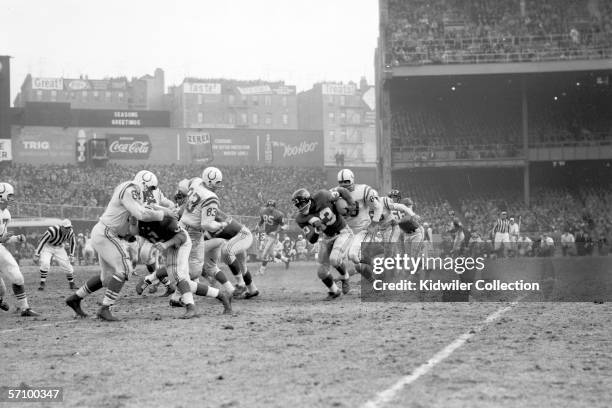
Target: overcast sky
x,y
299,41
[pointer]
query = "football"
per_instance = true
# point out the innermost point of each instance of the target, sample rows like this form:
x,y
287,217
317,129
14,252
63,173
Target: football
x,y
342,206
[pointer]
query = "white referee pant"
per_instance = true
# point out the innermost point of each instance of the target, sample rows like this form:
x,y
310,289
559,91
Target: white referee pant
x,y
59,253
501,238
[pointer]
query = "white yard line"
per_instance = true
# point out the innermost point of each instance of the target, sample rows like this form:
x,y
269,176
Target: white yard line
x,y
387,395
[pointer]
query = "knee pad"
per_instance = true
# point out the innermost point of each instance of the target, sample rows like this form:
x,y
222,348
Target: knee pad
x,y
323,271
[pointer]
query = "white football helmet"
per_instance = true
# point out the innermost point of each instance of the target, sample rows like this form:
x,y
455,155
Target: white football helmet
x,y
212,177
196,181
6,192
183,186
146,180
346,179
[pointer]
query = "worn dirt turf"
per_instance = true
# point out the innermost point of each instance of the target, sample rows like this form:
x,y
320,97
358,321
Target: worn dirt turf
x,y
289,348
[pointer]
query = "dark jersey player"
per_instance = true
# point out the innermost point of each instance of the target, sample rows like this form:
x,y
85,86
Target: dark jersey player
x,y
320,221
273,221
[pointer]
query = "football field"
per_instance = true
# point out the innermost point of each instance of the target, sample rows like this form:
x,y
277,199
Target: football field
x,y
287,347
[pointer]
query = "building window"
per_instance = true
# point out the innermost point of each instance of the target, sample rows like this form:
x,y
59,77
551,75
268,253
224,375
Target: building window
x,y
39,95
342,100
332,135
342,117
243,118
285,119
107,95
199,99
330,99
230,99
343,135
268,119
200,117
284,100
54,96
331,116
84,93
95,94
120,95
244,99
255,99
231,119
255,119
267,100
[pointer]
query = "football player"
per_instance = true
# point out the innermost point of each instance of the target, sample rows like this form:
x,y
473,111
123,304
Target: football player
x,y
51,245
273,221
363,218
320,221
288,251
167,236
9,269
301,248
115,267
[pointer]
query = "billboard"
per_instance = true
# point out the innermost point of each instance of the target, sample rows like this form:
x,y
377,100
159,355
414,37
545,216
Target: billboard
x,y
229,147
119,118
6,151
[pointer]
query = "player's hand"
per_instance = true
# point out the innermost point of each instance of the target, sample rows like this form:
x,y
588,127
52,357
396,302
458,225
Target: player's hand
x,y
160,246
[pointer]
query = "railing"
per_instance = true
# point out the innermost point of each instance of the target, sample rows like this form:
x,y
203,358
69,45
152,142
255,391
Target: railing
x,y
73,212
498,50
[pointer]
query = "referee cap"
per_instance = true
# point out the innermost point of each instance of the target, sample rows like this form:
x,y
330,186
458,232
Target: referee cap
x,y
66,223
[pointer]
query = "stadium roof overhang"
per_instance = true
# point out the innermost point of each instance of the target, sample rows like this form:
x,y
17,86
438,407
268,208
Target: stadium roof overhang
x,y
499,68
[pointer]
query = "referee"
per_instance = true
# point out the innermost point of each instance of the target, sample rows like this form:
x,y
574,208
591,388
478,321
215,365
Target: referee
x,y
51,245
501,234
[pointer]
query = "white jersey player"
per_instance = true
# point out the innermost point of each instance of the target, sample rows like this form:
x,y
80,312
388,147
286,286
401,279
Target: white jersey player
x,y
363,219
118,221
393,211
9,269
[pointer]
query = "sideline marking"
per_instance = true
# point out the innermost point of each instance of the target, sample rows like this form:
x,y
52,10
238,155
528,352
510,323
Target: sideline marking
x,y
387,395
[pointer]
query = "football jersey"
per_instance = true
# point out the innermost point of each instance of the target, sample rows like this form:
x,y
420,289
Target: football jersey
x,y
287,245
272,219
321,209
392,211
127,201
157,197
201,204
365,198
5,218
159,231
301,244
231,230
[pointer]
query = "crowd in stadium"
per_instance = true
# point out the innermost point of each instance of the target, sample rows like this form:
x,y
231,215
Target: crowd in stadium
x,y
460,31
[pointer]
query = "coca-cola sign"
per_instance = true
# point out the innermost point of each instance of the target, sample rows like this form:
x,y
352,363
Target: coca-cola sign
x,y
129,147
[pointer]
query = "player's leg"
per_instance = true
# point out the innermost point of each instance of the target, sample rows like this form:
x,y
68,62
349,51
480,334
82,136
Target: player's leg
x,y
13,275
64,264
229,250
340,247
45,265
266,254
3,305
355,255
325,249
211,267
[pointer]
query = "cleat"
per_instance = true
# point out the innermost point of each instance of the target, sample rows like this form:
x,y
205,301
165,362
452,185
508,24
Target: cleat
x,y
190,312
141,285
251,295
105,314
74,302
346,286
169,290
29,313
4,306
176,303
239,291
153,288
72,285
227,302
42,286
333,295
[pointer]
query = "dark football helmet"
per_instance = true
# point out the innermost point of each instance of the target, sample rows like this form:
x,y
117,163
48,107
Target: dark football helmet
x,y
395,195
301,199
271,203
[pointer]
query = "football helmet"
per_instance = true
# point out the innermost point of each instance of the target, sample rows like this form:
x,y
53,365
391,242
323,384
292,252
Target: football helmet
x,y
395,195
66,223
301,199
271,203
212,178
146,180
196,181
408,202
346,179
6,192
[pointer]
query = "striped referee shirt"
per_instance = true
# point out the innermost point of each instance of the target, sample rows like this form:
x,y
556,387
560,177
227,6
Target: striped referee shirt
x,y
502,226
54,236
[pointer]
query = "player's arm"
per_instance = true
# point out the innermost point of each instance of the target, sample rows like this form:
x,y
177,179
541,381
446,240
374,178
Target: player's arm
x,y
176,241
311,232
165,201
341,192
282,221
131,201
373,202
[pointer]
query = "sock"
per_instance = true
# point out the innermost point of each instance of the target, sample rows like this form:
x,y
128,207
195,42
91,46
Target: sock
x,y
188,298
186,295
205,290
92,285
365,270
239,280
234,267
43,275
151,268
70,277
151,279
263,264
222,279
112,290
342,271
22,300
161,273
248,280
331,285
176,296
